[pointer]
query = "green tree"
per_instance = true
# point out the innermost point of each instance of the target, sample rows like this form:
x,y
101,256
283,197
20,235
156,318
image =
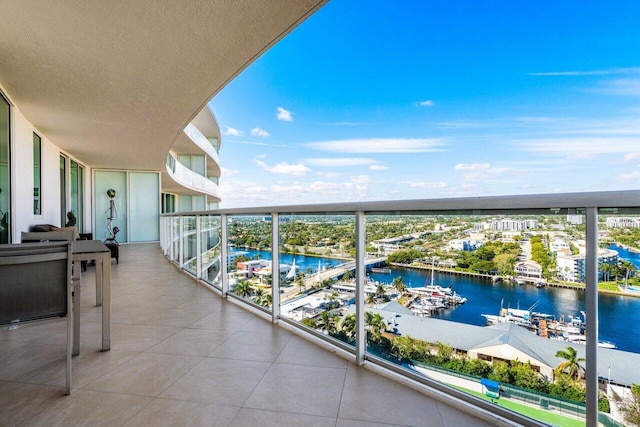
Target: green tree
x,y
571,364
631,407
243,289
348,326
627,269
371,299
375,322
398,283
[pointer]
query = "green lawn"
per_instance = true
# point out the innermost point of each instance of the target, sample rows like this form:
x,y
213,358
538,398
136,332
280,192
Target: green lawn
x,y
531,412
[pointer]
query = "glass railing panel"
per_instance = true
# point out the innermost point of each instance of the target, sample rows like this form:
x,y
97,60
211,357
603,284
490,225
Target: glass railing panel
x,y
317,280
175,239
459,298
249,258
619,311
189,244
210,239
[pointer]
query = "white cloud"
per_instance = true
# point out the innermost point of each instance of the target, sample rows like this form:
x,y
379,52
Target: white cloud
x,y
620,87
629,157
284,115
580,147
427,103
340,162
471,166
379,145
232,131
227,173
377,167
426,184
632,176
283,168
255,194
259,132
329,174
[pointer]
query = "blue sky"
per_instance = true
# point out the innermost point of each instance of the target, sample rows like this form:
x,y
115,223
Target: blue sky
x,y
386,100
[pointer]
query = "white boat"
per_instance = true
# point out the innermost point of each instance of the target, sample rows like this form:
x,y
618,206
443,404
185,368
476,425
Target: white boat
x,y
581,339
291,274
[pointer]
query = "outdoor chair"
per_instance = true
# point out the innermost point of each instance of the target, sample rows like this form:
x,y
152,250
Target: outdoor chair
x,y
37,285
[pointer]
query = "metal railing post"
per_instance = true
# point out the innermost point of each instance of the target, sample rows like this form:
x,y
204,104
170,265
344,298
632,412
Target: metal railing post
x,y
591,310
181,244
275,267
224,279
361,345
198,248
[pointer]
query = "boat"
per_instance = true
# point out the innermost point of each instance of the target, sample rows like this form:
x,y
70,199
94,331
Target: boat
x,y
525,318
291,274
540,285
582,339
381,270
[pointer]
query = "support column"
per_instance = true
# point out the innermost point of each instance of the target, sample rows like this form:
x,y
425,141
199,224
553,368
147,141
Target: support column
x,y
275,267
591,309
224,279
198,248
361,345
181,243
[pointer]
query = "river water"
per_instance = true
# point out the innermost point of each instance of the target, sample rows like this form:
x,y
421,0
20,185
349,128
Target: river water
x,y
618,316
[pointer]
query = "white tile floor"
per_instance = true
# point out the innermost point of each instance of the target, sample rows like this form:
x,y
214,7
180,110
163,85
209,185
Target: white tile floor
x,y
182,356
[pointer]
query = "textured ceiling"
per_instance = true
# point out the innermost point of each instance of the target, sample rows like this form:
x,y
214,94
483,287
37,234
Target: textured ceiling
x,y
113,83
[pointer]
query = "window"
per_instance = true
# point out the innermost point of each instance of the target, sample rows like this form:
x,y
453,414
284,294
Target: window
x,y
37,174
63,190
76,192
5,198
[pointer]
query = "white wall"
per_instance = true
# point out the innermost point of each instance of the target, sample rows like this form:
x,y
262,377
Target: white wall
x,y
22,179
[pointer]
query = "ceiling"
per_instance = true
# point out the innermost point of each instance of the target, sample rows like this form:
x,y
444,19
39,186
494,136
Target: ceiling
x,y
114,83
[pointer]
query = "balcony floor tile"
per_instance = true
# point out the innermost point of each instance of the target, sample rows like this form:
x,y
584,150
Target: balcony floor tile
x,y
183,356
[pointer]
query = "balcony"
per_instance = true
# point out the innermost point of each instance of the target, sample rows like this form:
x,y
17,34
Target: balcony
x,y
189,179
181,355
190,240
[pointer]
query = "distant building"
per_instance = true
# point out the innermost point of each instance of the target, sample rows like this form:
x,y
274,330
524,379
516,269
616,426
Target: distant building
x,y
464,244
392,244
506,224
571,268
623,222
528,269
575,219
559,245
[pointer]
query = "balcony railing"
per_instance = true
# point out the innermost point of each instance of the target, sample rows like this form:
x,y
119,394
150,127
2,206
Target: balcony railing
x,y
190,179
205,243
201,141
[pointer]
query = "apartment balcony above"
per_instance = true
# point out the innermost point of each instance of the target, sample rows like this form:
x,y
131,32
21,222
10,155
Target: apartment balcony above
x,y
179,179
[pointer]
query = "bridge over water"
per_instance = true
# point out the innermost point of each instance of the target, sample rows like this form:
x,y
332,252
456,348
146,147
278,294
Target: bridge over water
x,y
340,270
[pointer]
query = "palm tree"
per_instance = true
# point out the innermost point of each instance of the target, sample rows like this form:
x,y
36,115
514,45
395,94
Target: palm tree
x,y
349,326
628,268
606,271
243,289
326,323
258,295
375,323
380,291
398,283
371,299
571,365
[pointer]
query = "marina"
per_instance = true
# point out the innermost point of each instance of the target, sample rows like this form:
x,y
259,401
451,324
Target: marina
x,y
616,313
